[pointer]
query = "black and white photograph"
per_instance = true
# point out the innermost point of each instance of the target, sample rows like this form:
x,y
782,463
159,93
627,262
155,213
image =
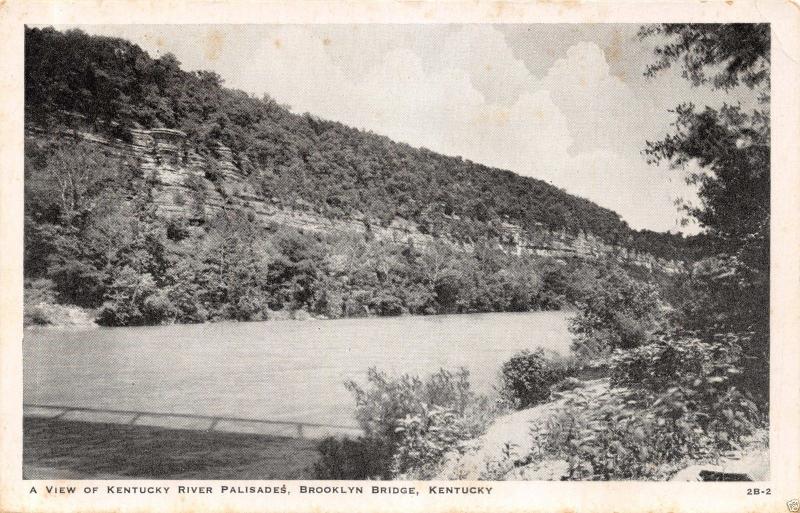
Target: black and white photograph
x,y
397,252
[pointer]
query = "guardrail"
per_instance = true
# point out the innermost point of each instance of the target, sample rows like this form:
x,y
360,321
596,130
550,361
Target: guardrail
x,y
190,421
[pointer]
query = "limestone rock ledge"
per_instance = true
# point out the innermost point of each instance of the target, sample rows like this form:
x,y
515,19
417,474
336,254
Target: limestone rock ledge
x,y
180,175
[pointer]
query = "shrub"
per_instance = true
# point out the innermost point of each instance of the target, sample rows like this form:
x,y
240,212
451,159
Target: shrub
x,y
425,439
37,315
379,407
38,296
670,360
177,229
527,377
618,312
418,421
133,299
346,458
687,376
76,282
39,291
42,309
726,295
600,437
157,308
676,402
185,294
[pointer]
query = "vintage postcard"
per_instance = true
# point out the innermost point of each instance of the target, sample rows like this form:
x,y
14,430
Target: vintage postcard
x,y
401,256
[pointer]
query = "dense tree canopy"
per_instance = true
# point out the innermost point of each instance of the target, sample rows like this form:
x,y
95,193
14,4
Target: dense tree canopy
x,y
722,55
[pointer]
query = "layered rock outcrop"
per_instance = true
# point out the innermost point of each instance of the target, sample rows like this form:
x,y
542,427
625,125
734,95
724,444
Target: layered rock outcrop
x,y
195,187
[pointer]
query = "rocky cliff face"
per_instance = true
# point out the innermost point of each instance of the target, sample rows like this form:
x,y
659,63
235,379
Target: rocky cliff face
x,y
192,186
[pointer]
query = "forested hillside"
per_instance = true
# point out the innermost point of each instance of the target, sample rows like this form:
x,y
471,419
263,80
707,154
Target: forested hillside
x,y
95,238
114,85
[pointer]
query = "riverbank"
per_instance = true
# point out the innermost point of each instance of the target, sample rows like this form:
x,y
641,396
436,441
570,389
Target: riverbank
x,y
58,316
58,449
51,315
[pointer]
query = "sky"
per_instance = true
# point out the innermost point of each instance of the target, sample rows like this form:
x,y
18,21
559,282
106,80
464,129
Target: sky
x,y
567,104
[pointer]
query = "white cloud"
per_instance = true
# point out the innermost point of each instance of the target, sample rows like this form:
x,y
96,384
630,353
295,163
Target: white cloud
x,y
482,52
597,104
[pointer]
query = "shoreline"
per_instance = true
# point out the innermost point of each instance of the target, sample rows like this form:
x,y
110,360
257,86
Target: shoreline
x,y
277,316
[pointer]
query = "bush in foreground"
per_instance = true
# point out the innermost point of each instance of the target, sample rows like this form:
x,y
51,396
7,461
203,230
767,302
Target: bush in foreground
x,y
617,312
526,379
409,425
670,401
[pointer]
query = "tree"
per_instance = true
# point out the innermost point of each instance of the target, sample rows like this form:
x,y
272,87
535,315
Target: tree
x,y
730,145
616,312
133,299
734,53
730,291
64,178
234,267
106,85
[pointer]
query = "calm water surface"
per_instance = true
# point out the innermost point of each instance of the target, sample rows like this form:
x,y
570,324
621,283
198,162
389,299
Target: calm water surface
x,y
282,370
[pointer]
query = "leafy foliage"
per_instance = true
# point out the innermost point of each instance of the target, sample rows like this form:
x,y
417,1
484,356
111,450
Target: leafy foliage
x,y
90,215
729,291
426,438
416,422
670,401
732,149
133,299
388,399
616,312
526,378
231,267
683,387
346,458
738,51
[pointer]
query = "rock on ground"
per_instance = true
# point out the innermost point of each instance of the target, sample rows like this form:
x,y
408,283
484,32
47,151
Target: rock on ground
x,y
750,463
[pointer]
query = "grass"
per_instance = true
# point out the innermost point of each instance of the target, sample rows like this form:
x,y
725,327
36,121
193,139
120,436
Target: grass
x,y
54,449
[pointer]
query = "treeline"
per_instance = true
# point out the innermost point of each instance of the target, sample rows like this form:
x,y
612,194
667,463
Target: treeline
x,y
100,244
111,85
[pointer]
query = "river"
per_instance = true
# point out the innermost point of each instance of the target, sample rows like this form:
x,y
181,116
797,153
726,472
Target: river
x,y
280,370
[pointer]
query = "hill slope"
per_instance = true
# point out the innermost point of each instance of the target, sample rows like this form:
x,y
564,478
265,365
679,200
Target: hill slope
x,y
110,85
155,195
